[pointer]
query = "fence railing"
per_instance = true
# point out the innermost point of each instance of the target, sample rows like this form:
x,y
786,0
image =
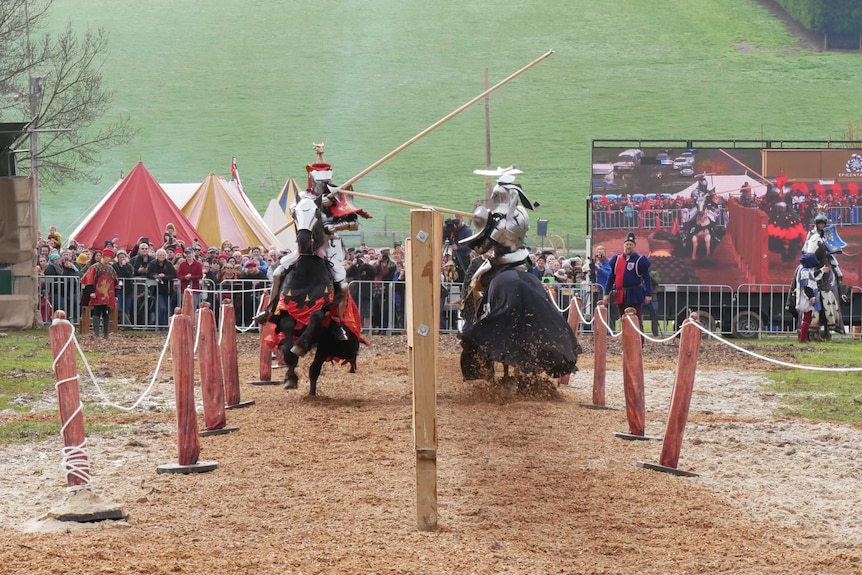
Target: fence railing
x,y
751,310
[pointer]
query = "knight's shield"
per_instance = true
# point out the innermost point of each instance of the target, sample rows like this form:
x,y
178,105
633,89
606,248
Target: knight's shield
x,y
833,241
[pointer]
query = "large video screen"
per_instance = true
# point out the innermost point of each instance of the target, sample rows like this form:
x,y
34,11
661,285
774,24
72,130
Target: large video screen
x,y
725,215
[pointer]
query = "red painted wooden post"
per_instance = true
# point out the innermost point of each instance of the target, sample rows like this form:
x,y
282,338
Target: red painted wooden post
x,y
68,395
266,330
227,352
188,304
686,366
600,354
188,440
633,373
212,382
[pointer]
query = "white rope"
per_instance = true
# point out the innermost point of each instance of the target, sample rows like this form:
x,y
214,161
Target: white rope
x,y
717,337
197,331
653,339
149,388
221,323
769,359
609,328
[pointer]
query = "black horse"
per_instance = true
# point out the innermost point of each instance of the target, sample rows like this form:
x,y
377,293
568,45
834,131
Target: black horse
x,y
520,327
307,313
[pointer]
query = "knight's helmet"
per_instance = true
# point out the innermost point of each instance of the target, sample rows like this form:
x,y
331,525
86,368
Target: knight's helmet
x,y
319,173
821,217
504,226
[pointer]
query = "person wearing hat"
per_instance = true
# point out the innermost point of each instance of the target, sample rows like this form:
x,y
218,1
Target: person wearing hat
x,y
629,283
164,273
190,272
102,278
253,278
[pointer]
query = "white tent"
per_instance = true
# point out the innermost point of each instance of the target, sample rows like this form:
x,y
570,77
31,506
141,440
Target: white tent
x,y
276,220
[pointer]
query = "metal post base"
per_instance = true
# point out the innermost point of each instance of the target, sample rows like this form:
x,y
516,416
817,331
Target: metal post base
x,y
662,468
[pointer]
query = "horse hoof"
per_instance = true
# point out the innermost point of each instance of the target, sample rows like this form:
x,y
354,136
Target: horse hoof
x,y
298,351
291,384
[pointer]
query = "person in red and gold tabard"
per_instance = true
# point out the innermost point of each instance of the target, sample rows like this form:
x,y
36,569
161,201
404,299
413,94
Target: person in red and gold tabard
x,y
103,278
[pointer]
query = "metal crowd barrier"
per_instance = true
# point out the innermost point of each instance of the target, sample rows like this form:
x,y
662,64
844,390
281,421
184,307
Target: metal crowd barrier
x,y
750,311
145,304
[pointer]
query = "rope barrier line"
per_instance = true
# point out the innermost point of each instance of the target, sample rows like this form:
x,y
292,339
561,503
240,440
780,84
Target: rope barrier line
x,y
717,337
197,333
771,360
220,323
102,392
609,328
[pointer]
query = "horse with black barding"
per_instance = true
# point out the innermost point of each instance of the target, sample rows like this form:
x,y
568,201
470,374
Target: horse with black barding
x,y
515,323
307,315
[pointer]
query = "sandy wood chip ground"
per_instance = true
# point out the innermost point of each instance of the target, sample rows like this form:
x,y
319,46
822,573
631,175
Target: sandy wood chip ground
x,y
535,485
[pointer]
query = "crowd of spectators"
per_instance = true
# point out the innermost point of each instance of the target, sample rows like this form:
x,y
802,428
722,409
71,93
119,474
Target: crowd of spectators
x,y
152,277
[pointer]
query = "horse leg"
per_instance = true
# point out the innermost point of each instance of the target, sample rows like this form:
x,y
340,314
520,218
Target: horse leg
x,y
707,241
694,246
508,383
309,334
314,370
286,325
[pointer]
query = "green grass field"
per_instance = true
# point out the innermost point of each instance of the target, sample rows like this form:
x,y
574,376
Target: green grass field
x,y
262,80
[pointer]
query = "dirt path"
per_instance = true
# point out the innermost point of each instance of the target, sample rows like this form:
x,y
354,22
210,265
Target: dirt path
x,y
536,485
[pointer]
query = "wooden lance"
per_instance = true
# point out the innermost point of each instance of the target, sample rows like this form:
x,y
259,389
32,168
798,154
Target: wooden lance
x,y
419,136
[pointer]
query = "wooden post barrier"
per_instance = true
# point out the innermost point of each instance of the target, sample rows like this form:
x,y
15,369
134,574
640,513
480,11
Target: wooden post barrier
x,y
85,326
113,321
574,320
633,376
686,367
228,355
424,259
212,381
188,306
188,440
600,356
68,395
267,330
81,505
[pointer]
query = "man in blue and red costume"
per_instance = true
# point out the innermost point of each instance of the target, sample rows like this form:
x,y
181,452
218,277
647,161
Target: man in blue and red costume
x,y
338,214
629,284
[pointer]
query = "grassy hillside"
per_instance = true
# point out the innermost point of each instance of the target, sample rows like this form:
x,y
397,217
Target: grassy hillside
x,y
262,80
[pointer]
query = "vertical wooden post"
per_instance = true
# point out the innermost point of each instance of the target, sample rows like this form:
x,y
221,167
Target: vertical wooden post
x,y
113,321
85,325
425,258
188,440
267,332
686,366
633,374
228,354
600,354
188,305
212,381
574,320
68,396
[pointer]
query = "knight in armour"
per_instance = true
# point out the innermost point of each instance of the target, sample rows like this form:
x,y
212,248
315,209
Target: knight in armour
x,y
339,214
508,300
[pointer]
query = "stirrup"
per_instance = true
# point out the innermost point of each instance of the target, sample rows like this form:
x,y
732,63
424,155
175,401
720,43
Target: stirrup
x,y
261,317
341,334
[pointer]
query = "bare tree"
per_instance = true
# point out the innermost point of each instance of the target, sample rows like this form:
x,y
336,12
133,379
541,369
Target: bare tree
x,y
56,81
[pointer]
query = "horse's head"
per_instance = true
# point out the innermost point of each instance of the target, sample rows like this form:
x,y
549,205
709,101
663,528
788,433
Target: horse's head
x,y
309,226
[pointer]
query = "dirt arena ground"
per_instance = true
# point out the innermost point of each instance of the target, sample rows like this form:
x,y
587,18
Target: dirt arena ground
x,y
538,484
